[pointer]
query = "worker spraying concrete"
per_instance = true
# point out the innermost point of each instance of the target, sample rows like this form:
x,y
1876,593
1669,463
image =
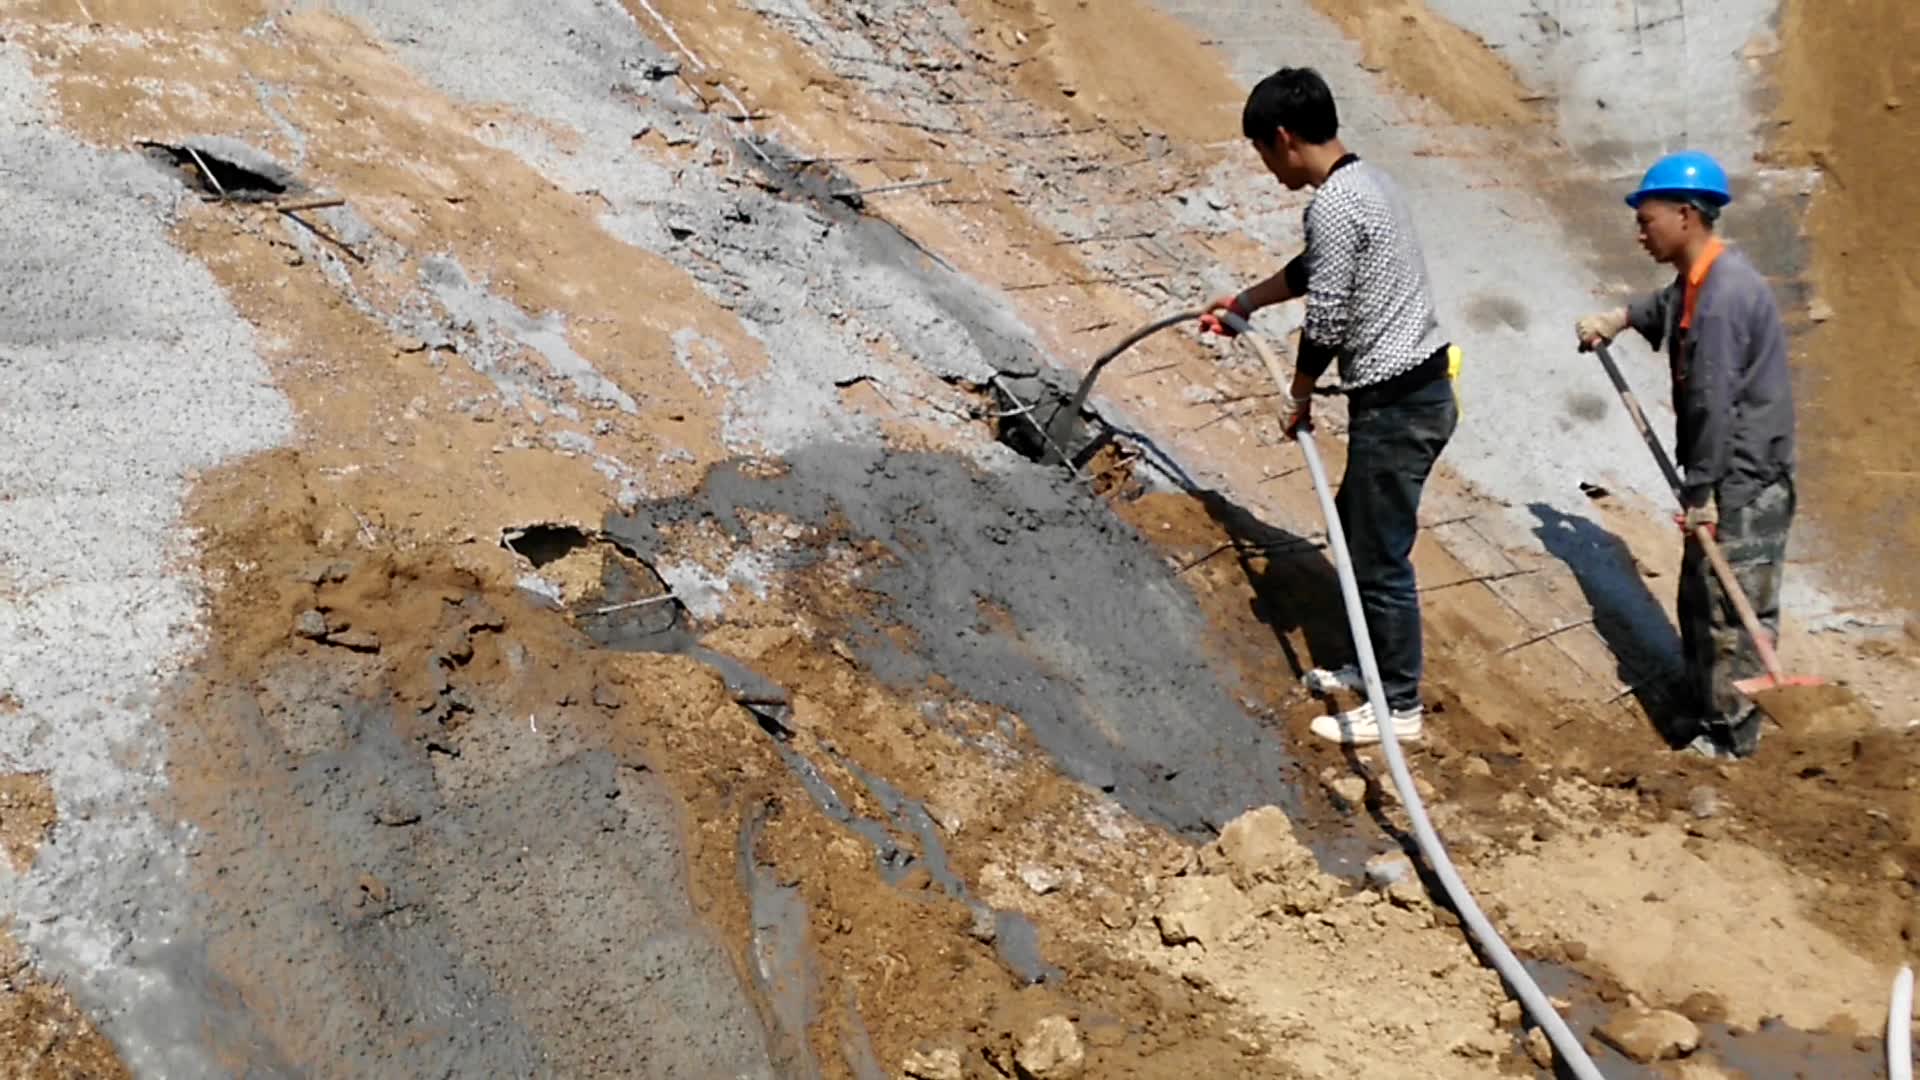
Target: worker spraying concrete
x,y
1733,400
1369,308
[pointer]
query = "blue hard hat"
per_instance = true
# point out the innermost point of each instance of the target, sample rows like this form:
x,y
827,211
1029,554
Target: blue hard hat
x,y
1686,175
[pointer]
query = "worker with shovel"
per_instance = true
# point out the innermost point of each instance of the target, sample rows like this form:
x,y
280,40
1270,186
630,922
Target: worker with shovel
x,y
1733,399
1369,307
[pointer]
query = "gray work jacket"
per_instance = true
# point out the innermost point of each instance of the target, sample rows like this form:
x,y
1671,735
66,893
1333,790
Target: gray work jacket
x,y
1732,392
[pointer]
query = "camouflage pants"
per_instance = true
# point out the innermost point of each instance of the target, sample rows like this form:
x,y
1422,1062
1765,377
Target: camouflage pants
x,y
1718,652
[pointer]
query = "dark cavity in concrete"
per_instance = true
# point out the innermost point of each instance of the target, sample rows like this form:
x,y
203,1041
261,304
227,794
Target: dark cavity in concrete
x,y
1097,648
542,544
239,173
1036,418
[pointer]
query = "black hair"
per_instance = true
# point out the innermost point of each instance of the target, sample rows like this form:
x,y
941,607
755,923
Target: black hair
x,y
1704,209
1297,99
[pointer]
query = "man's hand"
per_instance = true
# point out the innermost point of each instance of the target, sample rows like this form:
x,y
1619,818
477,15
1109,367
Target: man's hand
x,y
1212,323
1297,405
1600,329
1706,514
1299,413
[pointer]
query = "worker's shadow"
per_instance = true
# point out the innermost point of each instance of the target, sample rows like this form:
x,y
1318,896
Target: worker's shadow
x,y
1294,585
1645,645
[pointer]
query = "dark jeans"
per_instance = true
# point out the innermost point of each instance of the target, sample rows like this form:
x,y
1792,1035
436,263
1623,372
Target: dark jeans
x,y
1390,452
1719,653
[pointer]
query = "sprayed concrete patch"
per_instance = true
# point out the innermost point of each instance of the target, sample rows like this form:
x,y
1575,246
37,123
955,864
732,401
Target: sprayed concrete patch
x,y
826,289
419,850
124,371
499,329
1099,651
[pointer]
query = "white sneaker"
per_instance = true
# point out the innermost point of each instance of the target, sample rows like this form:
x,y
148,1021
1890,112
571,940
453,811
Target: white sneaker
x,y
1348,678
1357,727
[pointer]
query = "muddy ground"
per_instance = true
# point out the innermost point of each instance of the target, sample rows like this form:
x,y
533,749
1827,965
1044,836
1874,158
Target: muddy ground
x,y
586,602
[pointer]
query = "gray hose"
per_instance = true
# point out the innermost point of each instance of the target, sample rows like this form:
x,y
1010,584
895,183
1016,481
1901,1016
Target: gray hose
x,y
1565,1043
1135,338
1900,1027
1536,1003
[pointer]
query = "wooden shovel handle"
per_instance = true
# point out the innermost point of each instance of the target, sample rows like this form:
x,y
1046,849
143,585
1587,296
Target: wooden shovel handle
x,y
1762,641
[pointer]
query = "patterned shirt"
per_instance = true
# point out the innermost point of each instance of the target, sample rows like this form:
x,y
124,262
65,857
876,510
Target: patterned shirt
x,y
1366,278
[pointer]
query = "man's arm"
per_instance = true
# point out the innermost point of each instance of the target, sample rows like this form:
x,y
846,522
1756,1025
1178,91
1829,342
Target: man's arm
x,y
1648,314
1286,284
1289,283
1705,403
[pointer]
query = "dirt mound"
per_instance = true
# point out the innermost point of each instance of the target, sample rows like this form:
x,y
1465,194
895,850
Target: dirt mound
x,y
1578,830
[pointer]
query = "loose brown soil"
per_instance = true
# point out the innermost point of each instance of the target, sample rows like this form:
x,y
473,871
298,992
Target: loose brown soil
x,y
44,1034
1850,106
1432,58
26,816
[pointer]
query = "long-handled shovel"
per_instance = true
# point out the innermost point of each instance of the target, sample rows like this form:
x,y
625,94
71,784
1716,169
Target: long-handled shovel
x,y
1762,641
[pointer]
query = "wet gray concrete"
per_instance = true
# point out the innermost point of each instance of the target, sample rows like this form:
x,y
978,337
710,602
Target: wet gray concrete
x,y
1104,662
1016,940
781,969
486,902
907,839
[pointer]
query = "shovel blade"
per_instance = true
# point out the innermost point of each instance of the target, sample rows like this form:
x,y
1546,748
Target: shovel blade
x,y
1763,683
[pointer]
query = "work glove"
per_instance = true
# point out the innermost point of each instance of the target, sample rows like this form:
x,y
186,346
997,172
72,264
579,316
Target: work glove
x,y
1600,329
1214,324
1299,413
1707,514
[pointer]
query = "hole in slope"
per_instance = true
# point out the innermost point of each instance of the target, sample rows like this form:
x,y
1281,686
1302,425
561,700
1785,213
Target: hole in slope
x,y
620,598
542,544
1037,421
255,181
